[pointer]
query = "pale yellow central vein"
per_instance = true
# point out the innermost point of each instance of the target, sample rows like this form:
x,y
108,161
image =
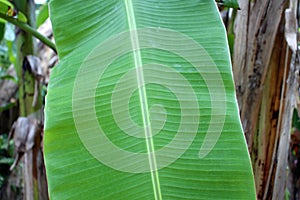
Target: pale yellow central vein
x,y
143,98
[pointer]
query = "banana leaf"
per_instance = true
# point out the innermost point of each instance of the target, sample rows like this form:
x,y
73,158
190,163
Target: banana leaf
x,y
142,103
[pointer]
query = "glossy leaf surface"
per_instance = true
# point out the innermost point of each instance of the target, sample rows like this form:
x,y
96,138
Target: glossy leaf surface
x,y
142,103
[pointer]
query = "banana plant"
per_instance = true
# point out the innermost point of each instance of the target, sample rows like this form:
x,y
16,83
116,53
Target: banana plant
x,y
142,103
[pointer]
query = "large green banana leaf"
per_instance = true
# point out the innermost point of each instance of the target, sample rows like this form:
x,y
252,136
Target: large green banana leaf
x,y
142,104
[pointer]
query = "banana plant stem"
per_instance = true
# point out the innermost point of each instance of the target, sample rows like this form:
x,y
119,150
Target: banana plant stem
x,y
30,30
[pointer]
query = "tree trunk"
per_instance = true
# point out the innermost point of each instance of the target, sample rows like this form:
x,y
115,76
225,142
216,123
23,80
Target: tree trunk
x,y
30,104
264,73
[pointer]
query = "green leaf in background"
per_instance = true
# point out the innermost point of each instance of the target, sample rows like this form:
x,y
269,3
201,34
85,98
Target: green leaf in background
x,y
142,104
229,3
230,37
6,7
10,37
21,17
4,58
2,30
43,15
6,106
8,161
296,120
8,77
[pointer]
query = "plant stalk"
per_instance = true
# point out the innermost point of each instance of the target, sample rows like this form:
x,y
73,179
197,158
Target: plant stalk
x,y
30,30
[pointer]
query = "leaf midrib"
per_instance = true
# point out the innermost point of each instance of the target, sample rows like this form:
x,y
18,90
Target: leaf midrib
x,y
143,98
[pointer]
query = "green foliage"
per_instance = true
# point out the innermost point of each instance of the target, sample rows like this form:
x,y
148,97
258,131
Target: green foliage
x,y
4,59
229,3
230,38
6,157
2,29
7,47
6,7
21,17
43,14
84,161
7,106
296,120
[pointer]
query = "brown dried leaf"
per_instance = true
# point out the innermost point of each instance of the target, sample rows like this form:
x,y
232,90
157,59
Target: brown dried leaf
x,y
23,131
291,29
